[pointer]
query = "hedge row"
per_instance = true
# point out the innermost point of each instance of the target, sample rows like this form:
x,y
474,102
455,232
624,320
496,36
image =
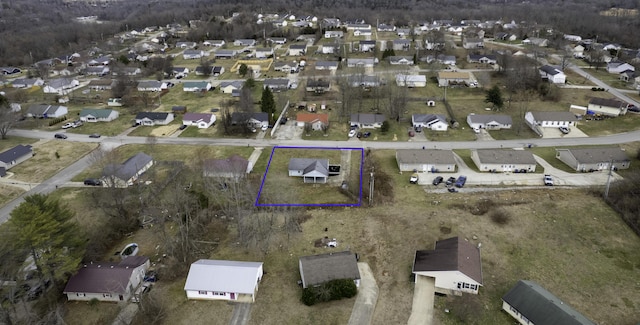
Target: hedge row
x,y
332,290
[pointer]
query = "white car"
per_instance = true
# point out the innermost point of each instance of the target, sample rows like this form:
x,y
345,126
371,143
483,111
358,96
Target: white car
x,y
69,125
548,180
264,127
352,133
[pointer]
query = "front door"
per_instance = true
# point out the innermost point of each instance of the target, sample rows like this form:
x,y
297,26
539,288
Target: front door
x,y
233,296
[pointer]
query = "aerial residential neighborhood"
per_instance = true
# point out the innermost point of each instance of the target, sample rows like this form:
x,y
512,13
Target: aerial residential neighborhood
x,y
298,165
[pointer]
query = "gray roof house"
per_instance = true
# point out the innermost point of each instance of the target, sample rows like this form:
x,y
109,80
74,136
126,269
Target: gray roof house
x,y
318,269
224,54
454,263
489,121
27,82
606,106
127,173
14,156
59,85
367,120
503,160
277,83
435,122
226,87
154,118
363,81
46,111
591,159
529,303
311,170
223,280
426,160
539,120
98,115
254,120
326,65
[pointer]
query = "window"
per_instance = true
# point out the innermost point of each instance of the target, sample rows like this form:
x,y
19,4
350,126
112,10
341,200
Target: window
x,y
473,287
202,292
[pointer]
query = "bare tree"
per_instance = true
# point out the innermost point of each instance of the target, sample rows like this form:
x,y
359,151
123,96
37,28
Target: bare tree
x,y
7,117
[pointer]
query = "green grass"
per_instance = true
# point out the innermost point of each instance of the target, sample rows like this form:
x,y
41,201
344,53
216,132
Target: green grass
x,y
12,141
113,128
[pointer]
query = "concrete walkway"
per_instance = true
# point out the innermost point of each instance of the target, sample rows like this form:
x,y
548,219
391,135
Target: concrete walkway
x,y
365,305
241,313
423,300
254,156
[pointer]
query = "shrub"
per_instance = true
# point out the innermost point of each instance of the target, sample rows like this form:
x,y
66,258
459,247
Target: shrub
x,y
309,296
332,290
500,216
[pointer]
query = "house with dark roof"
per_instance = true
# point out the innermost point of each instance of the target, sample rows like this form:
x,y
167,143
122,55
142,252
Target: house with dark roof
x,y
285,66
101,84
426,160
606,106
361,62
489,121
365,81
318,269
127,173
201,120
529,303
277,84
454,263
98,115
107,281
9,70
297,49
472,43
333,34
435,122
253,120
196,86
327,65
401,44
14,156
366,46
60,85
482,58
591,159
154,118
26,83
454,78
367,120
46,111
99,70
223,280
311,170
224,54
244,42
552,74
503,160
234,167
318,86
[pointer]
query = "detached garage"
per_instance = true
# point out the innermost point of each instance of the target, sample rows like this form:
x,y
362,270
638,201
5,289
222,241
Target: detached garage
x,y
223,280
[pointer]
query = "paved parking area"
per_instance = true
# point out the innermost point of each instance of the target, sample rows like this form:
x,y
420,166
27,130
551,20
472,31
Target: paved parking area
x,y
555,133
289,131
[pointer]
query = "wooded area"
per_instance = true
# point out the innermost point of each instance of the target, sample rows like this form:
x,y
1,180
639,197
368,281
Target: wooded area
x,y
34,30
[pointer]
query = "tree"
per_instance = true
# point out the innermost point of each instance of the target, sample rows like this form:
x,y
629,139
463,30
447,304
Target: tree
x,y
243,70
7,117
46,230
268,104
385,126
494,96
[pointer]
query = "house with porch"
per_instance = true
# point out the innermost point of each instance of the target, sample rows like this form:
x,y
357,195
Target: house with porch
x,y
454,263
98,115
552,75
318,86
454,78
27,83
154,118
606,106
318,269
46,111
503,160
126,174
244,42
367,120
192,54
333,34
200,120
361,62
529,303
310,169
14,156
426,160
411,80
255,120
225,54
489,121
107,281
365,81
223,280
317,121
152,85
400,60
538,120
297,49
366,45
434,122
482,58
196,86
401,44
60,85
327,65
592,159
277,84
227,87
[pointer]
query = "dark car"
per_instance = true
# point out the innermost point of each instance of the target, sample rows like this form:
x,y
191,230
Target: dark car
x,y
60,136
92,182
151,276
450,181
452,189
182,127
437,180
94,135
460,181
359,135
366,134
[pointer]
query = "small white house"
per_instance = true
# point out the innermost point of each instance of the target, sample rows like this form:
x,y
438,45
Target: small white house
x,y
619,67
126,174
196,86
489,121
411,81
223,280
154,118
311,170
433,122
201,120
60,86
551,119
553,75
98,115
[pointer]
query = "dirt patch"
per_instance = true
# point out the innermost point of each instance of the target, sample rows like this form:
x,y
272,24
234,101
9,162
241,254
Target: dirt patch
x,y
165,130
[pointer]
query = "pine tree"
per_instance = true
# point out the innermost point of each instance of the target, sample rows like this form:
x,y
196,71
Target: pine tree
x,y
494,96
268,105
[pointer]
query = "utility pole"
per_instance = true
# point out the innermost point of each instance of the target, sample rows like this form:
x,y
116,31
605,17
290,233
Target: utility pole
x,y
606,190
371,187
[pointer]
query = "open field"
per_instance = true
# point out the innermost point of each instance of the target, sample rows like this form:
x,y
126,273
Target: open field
x,y
8,193
12,141
578,249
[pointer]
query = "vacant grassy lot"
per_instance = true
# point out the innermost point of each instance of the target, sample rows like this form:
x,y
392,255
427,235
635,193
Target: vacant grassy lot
x,y
8,193
11,142
50,157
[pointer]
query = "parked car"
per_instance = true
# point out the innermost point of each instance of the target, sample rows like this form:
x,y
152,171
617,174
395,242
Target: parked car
x,y
352,133
548,180
418,129
94,135
437,180
68,125
359,135
92,182
452,189
414,178
366,134
564,129
450,181
182,127
151,276
264,127
77,124
60,136
460,181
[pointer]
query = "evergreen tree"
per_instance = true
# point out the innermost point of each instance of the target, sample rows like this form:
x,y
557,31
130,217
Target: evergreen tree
x,y
268,104
46,229
494,96
243,70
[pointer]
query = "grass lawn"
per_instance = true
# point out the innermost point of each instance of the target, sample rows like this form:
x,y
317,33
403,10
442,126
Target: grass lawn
x,y
280,188
8,193
12,141
84,313
50,157
608,126
112,128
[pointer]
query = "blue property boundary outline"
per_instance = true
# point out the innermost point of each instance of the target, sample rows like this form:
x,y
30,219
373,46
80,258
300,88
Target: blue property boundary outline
x,y
264,178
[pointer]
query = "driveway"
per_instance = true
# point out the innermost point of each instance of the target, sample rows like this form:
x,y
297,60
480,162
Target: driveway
x,y
241,313
423,299
365,305
289,131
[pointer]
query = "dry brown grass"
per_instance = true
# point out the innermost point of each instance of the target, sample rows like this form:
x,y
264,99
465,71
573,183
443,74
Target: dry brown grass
x,y
45,163
8,193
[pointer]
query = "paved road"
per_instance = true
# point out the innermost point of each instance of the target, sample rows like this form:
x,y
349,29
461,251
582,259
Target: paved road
x,y
365,305
241,313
